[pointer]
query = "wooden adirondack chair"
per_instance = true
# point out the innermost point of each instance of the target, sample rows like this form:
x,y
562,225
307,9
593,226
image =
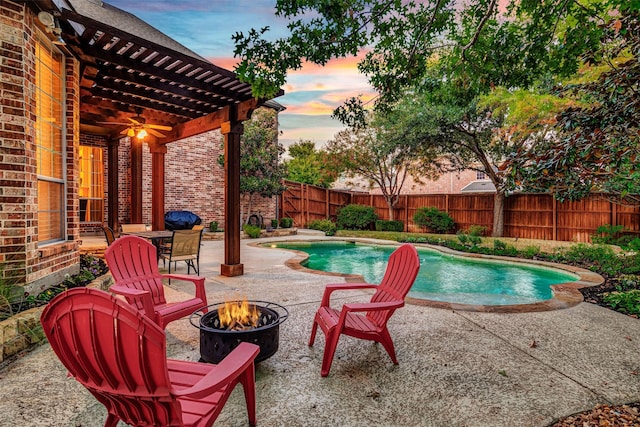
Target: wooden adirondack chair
x,y
119,356
399,276
133,264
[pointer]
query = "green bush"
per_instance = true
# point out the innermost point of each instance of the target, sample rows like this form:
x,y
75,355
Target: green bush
x,y
598,258
499,245
286,222
384,225
626,302
356,217
608,234
253,231
213,226
274,223
434,219
476,230
531,251
326,225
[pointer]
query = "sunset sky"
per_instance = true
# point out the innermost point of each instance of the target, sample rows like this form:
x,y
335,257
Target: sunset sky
x,y
206,28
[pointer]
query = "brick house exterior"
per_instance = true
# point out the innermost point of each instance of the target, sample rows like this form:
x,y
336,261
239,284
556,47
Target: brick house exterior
x,y
194,181
23,260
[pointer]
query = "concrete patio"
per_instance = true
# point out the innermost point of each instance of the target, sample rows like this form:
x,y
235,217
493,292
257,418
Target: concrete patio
x,y
457,368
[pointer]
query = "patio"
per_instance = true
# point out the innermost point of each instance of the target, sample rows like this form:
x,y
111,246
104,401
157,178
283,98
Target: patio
x,y
457,368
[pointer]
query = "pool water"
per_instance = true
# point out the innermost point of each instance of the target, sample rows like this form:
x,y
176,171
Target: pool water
x,y
442,277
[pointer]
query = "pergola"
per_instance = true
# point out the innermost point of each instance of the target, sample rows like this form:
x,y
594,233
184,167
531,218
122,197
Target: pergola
x,y
130,68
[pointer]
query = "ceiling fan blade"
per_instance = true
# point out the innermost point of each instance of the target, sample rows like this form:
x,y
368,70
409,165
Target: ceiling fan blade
x,y
134,121
159,127
155,133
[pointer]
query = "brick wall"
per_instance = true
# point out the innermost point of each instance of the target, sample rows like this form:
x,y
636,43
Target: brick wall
x,y
194,181
24,262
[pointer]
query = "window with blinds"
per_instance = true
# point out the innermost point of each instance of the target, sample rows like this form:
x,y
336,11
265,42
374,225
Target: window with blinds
x,y
49,128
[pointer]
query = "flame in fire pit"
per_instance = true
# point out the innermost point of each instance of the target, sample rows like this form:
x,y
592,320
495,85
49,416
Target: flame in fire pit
x,y
238,315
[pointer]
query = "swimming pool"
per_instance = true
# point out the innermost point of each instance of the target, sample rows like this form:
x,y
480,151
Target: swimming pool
x,y
442,277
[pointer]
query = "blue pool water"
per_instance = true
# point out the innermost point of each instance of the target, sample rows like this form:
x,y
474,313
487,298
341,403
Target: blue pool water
x,y
442,277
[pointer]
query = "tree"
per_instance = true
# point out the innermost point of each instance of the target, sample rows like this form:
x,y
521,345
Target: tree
x,y
310,166
477,47
376,153
526,39
596,142
261,172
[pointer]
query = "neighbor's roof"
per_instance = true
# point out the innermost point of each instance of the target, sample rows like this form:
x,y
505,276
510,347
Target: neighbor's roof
x,y
483,186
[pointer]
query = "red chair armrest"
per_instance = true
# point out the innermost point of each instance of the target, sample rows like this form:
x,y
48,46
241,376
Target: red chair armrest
x,y
330,288
144,296
198,282
373,306
231,367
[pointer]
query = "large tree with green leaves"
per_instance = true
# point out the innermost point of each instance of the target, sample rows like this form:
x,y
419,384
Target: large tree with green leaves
x,y
477,47
595,146
310,165
515,44
377,152
261,171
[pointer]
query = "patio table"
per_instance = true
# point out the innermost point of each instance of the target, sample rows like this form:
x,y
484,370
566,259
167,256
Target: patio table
x,y
156,237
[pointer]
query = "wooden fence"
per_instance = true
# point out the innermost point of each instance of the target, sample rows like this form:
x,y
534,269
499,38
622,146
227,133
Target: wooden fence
x,y
531,216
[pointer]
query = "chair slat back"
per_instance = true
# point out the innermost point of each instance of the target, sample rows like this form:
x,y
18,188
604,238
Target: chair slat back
x,y
133,262
399,276
185,243
118,354
108,234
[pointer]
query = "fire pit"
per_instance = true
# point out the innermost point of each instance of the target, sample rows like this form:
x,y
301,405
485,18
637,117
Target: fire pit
x,y
218,337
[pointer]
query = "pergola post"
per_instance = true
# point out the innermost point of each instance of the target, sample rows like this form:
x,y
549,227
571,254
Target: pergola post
x,y
231,130
157,185
136,181
112,184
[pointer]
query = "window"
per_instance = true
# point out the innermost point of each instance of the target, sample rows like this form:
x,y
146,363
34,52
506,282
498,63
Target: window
x,y
49,127
480,176
91,184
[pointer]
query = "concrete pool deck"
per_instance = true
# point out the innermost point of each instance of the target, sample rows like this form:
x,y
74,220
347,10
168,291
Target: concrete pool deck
x,y
457,368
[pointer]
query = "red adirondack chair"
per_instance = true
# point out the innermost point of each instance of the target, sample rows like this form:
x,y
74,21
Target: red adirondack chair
x,y
133,263
399,276
119,356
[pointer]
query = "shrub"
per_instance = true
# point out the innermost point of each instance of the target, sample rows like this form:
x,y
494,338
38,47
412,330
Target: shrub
x,y
469,240
499,245
356,217
434,219
326,225
383,225
274,223
607,234
626,302
213,226
253,231
476,230
531,251
286,222
599,258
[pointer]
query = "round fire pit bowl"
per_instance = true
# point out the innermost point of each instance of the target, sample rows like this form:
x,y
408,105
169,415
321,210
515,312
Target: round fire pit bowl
x,y
217,343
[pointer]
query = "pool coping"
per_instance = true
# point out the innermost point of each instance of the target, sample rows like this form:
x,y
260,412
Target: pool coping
x,y
565,295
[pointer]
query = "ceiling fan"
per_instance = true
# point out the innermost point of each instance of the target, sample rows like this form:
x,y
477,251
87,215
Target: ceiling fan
x,y
138,127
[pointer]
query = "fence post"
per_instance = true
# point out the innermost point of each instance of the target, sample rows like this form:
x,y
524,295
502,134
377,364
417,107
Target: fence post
x,y
406,212
614,214
326,205
555,217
